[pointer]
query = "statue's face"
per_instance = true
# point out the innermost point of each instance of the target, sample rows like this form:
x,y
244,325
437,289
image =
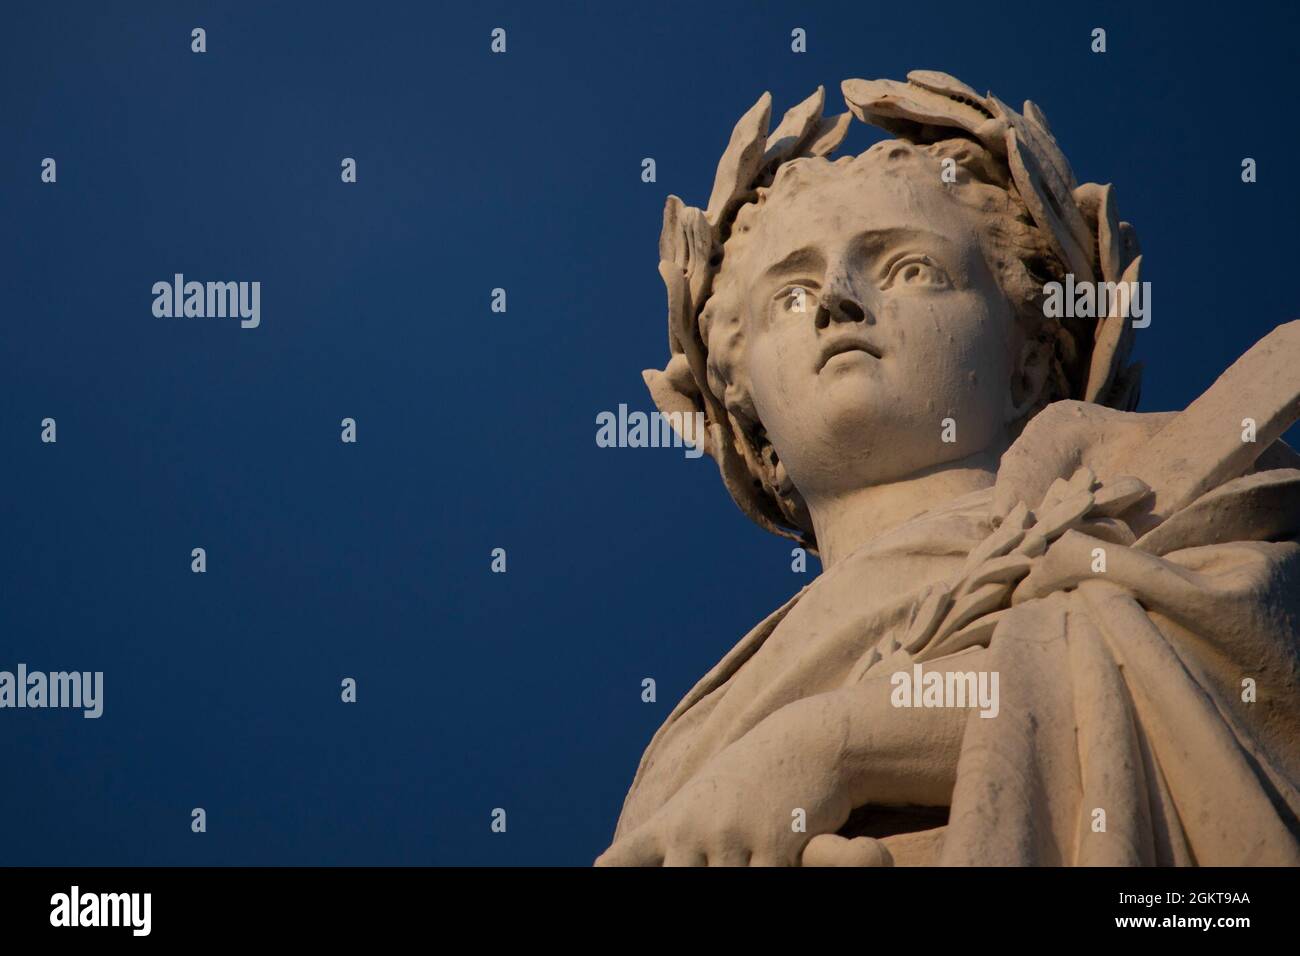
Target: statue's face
x,y
903,325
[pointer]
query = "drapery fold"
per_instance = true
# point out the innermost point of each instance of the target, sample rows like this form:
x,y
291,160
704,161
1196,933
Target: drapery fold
x,y
1149,713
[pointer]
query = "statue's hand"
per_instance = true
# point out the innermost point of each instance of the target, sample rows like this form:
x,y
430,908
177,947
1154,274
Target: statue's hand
x,y
758,803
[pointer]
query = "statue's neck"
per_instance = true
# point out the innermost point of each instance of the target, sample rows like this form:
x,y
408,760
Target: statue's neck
x,y
847,521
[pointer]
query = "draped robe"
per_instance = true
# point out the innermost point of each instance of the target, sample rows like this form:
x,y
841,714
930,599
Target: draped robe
x,y
1163,691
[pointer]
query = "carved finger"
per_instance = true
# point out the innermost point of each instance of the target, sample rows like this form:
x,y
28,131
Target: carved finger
x,y
829,849
685,856
729,856
639,848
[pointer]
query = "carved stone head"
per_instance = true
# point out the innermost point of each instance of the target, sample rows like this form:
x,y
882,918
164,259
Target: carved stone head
x,y
856,321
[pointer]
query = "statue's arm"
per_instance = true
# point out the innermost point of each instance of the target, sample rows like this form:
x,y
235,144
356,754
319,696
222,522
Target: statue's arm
x,y
865,749
820,757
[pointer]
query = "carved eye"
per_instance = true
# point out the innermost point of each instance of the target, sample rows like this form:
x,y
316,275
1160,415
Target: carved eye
x,y
917,271
797,299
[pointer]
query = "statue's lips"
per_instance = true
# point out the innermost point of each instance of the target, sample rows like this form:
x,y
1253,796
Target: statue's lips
x,y
842,346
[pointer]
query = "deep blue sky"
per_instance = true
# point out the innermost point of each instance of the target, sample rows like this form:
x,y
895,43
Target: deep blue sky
x,y
476,430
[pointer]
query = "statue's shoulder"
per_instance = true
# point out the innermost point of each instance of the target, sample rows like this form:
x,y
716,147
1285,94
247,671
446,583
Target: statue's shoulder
x,y
1232,430
1068,435
1065,436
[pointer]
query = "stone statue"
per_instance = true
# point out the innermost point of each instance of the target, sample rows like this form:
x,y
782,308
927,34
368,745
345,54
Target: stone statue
x,y
1049,629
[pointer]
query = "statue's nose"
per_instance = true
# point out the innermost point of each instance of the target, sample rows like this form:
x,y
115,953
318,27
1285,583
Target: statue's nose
x,y
841,304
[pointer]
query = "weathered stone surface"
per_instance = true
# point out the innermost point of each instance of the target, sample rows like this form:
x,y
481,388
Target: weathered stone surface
x,y
1048,630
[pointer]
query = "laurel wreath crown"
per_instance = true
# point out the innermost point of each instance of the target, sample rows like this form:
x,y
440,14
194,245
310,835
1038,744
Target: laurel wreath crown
x,y
1080,222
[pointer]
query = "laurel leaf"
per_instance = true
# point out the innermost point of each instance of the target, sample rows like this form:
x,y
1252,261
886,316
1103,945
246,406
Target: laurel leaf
x,y
795,127
828,135
1113,340
871,100
1040,189
936,81
741,161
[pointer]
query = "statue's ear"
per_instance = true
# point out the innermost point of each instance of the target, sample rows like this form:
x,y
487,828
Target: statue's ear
x,y
1029,377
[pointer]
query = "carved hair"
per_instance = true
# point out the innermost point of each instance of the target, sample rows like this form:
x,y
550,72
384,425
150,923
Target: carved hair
x,y
1038,222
